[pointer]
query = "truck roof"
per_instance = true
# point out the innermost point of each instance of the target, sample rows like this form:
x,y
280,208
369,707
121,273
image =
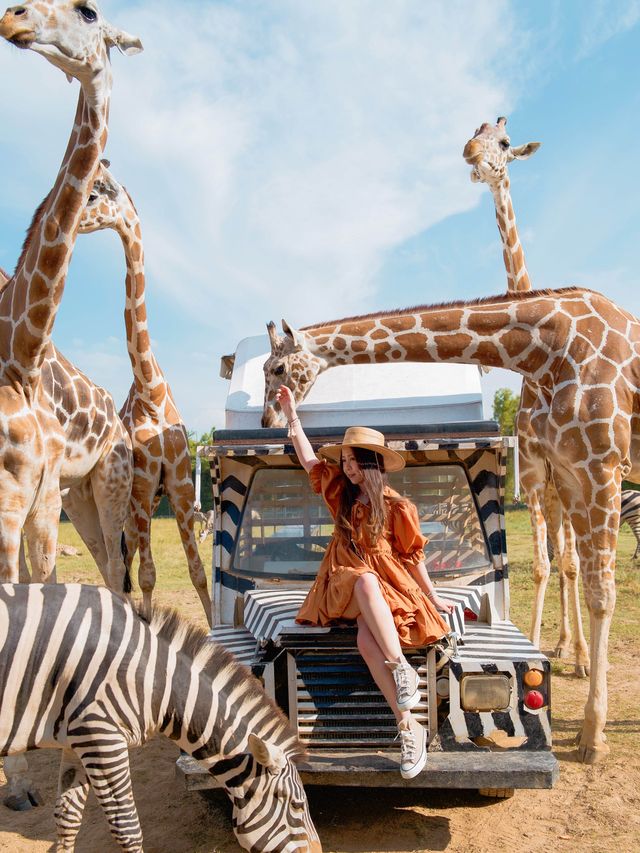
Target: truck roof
x,y
364,394
407,437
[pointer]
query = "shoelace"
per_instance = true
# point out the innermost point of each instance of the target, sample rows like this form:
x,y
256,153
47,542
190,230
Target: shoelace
x,y
402,678
407,743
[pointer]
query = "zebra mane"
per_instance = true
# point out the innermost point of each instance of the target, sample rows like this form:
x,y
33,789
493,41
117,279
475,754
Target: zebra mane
x,y
196,644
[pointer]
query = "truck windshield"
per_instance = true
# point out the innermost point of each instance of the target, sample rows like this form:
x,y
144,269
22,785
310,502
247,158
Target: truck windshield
x,y
286,527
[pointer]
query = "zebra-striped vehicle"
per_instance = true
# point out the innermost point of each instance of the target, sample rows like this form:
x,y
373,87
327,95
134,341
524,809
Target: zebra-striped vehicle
x,y
485,700
82,671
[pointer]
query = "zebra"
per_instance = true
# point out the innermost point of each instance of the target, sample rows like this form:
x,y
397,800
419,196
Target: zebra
x,y
630,512
83,671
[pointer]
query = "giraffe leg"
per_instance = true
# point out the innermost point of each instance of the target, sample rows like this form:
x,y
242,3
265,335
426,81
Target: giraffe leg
x,y
130,539
24,573
111,482
107,767
541,564
595,525
73,788
556,532
570,571
147,568
41,530
80,506
10,544
179,490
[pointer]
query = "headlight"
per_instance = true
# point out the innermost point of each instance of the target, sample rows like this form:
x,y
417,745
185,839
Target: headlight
x,y
485,693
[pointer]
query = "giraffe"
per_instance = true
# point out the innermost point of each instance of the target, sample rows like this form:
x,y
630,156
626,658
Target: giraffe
x,y
489,152
97,465
76,39
580,351
162,462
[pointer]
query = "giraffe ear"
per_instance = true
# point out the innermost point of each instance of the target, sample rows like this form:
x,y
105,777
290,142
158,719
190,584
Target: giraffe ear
x,y
524,151
295,337
127,44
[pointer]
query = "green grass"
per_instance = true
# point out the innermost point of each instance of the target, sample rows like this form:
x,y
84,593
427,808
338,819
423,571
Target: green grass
x,y
519,548
173,585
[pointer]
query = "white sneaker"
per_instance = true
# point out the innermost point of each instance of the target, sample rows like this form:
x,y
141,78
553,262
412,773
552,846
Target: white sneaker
x,y
407,680
413,748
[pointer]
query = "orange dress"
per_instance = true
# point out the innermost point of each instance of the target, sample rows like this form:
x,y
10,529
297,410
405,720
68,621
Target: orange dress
x,y
331,599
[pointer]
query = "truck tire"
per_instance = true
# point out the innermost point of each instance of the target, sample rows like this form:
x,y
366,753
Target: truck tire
x,y
496,793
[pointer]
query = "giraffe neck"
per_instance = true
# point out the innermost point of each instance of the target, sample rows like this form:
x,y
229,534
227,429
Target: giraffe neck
x,y
524,334
517,276
148,378
30,301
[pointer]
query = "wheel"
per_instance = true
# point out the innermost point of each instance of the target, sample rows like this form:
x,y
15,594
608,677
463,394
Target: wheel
x,y
496,793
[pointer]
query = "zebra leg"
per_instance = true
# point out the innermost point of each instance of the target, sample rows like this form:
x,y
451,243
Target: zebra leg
x,y
73,788
107,767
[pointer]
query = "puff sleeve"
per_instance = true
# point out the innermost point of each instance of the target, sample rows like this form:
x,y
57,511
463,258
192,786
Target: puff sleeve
x,y
326,480
407,539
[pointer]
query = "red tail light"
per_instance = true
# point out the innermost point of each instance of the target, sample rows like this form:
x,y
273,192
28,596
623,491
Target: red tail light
x,y
534,699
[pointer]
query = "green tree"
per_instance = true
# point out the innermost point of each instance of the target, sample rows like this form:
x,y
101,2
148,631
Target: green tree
x,y
505,408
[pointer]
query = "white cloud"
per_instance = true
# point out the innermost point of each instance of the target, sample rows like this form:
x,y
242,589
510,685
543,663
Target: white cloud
x,y
605,21
276,151
292,144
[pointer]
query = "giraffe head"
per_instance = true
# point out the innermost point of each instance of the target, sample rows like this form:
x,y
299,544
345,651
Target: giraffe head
x,y
71,34
109,204
490,150
291,363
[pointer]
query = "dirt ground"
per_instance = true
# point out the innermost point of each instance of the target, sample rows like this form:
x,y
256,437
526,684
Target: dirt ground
x,y
590,810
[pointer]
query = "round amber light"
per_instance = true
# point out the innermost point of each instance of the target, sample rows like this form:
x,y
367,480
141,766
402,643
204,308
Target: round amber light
x,y
533,678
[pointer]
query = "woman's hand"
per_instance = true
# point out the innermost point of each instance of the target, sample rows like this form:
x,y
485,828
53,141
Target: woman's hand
x,y
441,604
285,398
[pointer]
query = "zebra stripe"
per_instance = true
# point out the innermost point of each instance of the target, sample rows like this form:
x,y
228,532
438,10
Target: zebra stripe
x,y
81,670
267,613
630,512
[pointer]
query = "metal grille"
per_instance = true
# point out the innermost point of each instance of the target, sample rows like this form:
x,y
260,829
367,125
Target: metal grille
x,y
336,704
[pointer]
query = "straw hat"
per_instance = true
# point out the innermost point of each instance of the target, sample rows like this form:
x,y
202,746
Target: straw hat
x,y
369,439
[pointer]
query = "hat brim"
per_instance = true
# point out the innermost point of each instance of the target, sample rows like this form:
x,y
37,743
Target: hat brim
x,y
393,461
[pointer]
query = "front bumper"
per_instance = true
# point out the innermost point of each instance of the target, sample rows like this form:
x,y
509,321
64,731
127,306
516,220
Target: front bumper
x,y
382,770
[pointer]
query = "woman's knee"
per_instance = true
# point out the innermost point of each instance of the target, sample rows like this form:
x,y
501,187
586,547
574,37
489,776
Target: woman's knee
x,y
367,585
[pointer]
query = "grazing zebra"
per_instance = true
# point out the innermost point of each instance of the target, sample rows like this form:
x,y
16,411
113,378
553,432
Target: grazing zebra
x,y
630,512
83,671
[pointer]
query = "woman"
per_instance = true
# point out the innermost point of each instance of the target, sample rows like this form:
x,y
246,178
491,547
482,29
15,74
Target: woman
x,y
373,571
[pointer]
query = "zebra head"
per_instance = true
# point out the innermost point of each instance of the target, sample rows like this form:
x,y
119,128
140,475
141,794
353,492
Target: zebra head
x,y
270,808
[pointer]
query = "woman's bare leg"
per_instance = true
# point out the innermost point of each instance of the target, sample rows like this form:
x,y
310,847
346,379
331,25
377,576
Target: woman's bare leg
x,y
375,659
377,616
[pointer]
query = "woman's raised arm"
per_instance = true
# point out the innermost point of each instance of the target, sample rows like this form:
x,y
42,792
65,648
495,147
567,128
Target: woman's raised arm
x,y
301,444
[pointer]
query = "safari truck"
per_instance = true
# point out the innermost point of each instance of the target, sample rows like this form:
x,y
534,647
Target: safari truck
x,y
486,690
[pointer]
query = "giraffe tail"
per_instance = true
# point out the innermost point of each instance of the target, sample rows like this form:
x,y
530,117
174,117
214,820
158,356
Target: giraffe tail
x,y
127,586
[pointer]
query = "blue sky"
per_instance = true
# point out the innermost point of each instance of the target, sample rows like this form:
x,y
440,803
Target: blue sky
x,y
302,159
